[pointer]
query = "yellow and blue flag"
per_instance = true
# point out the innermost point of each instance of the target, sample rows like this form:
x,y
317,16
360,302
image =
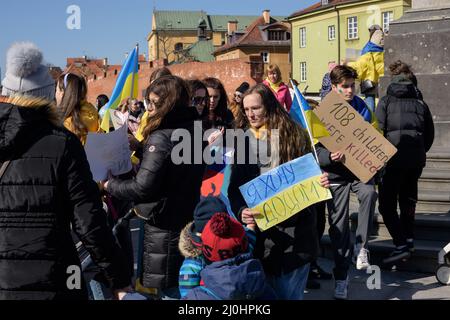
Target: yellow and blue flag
x,y
302,113
126,87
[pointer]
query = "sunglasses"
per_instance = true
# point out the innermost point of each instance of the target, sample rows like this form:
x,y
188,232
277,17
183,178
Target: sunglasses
x,y
198,100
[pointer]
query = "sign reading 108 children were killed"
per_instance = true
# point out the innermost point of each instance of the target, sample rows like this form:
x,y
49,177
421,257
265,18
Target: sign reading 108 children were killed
x,y
366,150
285,191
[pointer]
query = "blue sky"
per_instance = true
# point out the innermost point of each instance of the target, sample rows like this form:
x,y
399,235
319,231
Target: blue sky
x,y
108,28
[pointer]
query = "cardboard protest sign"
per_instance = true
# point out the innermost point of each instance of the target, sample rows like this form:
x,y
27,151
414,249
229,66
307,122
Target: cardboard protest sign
x,y
366,150
285,191
109,152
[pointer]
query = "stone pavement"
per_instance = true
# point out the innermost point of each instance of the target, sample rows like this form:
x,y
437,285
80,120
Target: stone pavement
x,y
395,285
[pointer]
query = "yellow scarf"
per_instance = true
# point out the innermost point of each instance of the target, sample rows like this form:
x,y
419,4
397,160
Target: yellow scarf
x,y
274,86
259,133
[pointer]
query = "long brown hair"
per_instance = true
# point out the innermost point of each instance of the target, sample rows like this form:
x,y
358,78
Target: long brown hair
x,y
220,112
293,140
75,91
173,98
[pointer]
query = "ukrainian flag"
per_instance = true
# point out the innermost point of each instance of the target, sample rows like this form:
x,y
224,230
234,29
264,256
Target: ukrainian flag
x,y
302,113
126,87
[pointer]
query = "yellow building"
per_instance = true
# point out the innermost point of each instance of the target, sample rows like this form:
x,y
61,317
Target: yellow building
x,y
335,30
174,31
267,37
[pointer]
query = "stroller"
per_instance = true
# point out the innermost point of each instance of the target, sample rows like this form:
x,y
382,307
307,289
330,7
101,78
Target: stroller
x,y
443,271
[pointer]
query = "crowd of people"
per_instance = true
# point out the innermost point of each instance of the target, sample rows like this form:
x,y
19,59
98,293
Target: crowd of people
x,y
193,247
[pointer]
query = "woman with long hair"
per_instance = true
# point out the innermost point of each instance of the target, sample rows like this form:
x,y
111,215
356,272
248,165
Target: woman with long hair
x,y
164,191
156,74
287,249
78,115
275,82
219,115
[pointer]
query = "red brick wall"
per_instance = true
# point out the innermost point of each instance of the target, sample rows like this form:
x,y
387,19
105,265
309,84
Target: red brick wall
x,y
231,72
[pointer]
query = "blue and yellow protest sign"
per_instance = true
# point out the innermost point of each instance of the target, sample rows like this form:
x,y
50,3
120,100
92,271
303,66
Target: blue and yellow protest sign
x,y
285,191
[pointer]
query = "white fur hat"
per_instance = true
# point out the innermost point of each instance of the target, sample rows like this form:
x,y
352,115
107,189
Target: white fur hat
x,y
25,74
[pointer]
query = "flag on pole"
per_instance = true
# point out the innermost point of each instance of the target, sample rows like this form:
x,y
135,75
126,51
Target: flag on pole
x,y
126,87
302,113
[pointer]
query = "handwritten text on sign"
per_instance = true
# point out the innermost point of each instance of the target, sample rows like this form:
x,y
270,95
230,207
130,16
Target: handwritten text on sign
x,y
109,152
285,191
366,150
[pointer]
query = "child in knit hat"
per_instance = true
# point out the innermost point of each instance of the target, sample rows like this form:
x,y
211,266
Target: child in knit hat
x,y
190,244
230,273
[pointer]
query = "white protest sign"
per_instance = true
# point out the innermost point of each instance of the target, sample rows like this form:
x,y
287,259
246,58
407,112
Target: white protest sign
x,y
109,152
118,118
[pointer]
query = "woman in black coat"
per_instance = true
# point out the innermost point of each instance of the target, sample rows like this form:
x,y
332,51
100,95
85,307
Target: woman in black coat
x,y
165,191
287,249
47,187
46,192
407,123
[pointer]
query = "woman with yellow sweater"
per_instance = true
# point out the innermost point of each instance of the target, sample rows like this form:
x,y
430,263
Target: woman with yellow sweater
x,y
79,116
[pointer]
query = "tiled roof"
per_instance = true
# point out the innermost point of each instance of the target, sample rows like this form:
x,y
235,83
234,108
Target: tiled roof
x,y
253,36
189,20
318,6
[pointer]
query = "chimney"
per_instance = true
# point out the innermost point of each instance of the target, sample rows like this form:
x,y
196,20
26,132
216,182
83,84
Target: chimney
x,y
266,15
232,27
105,62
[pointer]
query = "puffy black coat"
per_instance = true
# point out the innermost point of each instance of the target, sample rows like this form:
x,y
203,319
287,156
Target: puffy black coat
x,y
46,188
165,194
407,123
284,247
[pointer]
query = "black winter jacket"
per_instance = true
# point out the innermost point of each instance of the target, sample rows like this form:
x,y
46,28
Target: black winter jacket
x,y
407,123
165,194
46,189
284,247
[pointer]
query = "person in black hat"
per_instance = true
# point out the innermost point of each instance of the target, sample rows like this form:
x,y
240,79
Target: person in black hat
x,y
190,244
235,104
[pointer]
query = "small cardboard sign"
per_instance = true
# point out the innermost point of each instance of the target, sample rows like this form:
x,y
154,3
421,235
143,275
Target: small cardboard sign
x,y
366,150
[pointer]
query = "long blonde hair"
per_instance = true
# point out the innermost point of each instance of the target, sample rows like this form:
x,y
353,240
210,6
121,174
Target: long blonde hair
x,y
293,140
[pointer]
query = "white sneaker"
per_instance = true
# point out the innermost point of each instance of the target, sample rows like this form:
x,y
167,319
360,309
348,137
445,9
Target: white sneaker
x,y
341,289
362,261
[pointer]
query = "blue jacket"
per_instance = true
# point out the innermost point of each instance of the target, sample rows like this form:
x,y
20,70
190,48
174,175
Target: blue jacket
x,y
239,278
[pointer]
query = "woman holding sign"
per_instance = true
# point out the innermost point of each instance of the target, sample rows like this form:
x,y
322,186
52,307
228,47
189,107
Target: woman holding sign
x,y
164,193
287,249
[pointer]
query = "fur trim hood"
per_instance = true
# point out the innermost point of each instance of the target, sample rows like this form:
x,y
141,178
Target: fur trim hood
x,y
20,117
187,249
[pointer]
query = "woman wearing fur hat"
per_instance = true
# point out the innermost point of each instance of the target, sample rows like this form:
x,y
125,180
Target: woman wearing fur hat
x,y
370,67
286,250
79,116
45,188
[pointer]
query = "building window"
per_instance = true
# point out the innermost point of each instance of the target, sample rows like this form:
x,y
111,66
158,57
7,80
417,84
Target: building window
x,y
178,47
302,71
331,33
302,37
352,28
288,36
388,17
265,56
277,35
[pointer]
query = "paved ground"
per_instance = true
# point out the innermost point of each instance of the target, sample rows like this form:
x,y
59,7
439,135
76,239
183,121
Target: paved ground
x,y
395,285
